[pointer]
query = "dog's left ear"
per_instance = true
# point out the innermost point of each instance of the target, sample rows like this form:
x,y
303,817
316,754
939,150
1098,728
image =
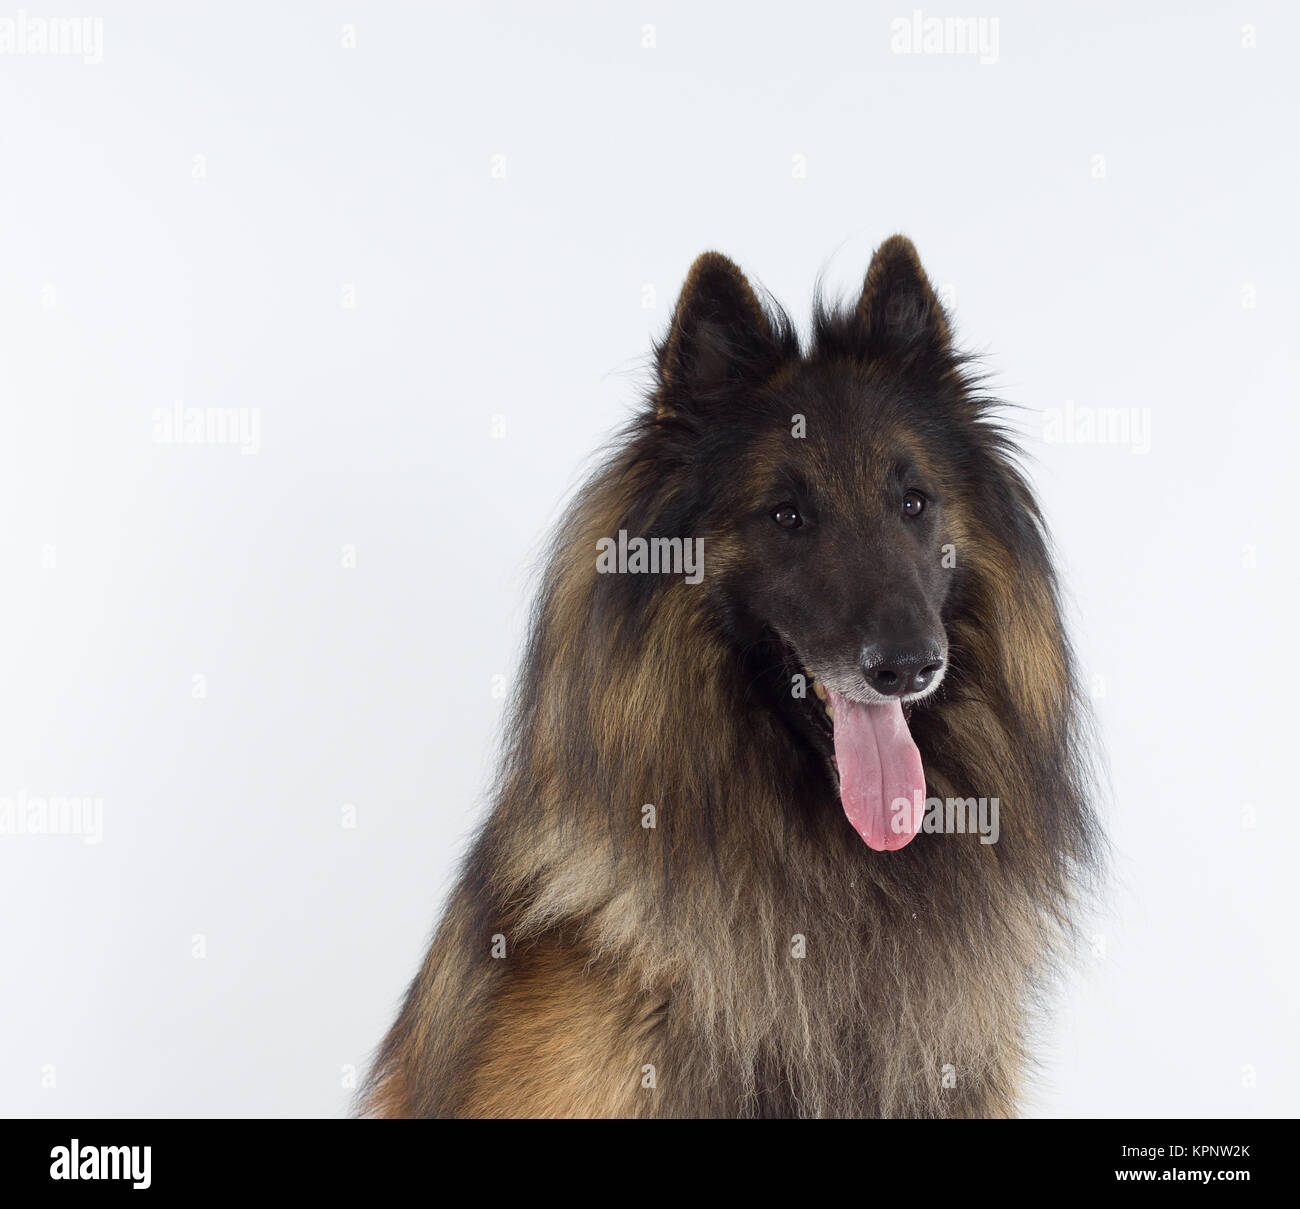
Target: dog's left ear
x,y
898,314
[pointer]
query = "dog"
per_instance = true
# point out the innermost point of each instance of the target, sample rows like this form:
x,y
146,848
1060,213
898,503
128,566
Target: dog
x,y
803,833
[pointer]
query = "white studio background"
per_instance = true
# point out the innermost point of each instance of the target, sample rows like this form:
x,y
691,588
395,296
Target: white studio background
x,y
426,247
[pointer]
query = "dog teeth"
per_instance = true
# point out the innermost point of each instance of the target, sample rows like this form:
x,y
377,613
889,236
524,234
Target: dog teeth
x,y
820,689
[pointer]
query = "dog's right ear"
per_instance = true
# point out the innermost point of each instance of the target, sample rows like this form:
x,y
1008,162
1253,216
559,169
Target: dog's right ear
x,y
719,335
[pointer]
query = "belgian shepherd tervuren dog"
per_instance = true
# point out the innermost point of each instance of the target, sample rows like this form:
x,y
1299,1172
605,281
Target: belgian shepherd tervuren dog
x,y
795,810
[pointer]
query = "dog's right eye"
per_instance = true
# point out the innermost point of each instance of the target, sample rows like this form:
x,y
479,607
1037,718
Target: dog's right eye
x,y
787,516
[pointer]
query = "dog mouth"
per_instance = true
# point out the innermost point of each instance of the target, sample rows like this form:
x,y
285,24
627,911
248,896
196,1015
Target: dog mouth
x,y
874,762
825,717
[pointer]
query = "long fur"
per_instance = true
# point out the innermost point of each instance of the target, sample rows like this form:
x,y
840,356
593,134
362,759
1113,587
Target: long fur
x,y
588,965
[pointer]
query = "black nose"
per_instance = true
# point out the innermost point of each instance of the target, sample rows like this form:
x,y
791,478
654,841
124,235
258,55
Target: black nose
x,y
898,673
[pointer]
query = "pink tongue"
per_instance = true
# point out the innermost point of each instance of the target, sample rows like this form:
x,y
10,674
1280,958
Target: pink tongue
x,y
882,783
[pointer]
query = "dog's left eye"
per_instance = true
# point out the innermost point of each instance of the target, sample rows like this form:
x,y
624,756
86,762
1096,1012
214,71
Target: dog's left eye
x,y
913,503
787,516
